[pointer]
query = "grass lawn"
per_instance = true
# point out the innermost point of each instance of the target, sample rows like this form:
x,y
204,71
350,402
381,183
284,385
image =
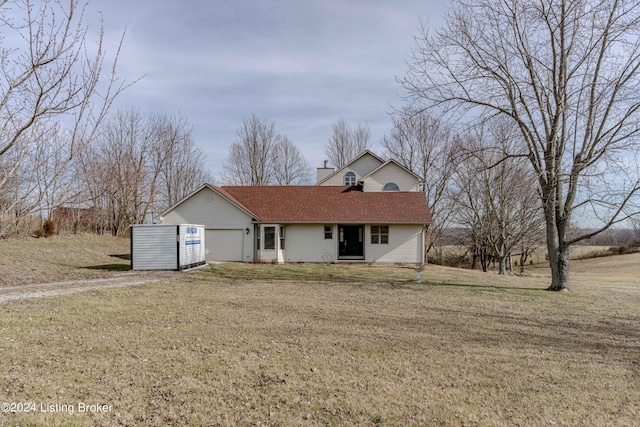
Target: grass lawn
x,y
332,345
57,258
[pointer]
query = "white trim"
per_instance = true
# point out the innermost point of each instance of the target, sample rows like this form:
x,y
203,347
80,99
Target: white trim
x,y
420,180
220,192
350,163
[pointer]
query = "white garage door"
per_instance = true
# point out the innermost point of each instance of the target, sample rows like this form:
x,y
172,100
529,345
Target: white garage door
x,y
224,245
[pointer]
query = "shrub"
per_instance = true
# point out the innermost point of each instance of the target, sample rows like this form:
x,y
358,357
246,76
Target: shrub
x,y
49,228
38,233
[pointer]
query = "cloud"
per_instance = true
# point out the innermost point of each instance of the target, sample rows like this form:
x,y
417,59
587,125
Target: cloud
x,y
304,64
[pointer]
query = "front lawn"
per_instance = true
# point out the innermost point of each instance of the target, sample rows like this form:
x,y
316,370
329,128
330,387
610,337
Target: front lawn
x,y
243,344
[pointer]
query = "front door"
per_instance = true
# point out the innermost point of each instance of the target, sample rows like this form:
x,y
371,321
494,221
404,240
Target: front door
x,y
351,238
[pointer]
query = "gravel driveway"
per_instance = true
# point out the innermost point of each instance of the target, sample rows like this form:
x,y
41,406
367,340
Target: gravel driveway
x,y
13,293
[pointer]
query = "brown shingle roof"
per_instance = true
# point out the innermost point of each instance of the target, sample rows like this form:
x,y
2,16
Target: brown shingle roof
x,y
329,204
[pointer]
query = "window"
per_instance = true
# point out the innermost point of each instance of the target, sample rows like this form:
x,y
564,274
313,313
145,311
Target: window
x,y
269,238
380,234
328,232
350,178
391,186
282,238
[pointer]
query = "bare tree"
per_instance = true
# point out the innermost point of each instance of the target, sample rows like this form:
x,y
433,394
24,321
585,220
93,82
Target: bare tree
x,y
262,156
290,168
180,162
251,154
346,143
426,145
492,196
139,166
566,74
122,171
47,77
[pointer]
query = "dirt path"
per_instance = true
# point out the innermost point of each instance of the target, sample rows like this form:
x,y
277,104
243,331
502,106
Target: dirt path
x,y
13,293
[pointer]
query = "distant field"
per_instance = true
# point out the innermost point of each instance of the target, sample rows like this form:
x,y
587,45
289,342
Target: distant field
x,y
538,256
240,344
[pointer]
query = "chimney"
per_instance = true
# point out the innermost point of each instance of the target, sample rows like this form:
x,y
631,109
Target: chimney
x,y
324,171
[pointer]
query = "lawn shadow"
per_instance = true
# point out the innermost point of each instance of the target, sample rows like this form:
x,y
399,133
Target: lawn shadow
x,y
475,286
109,267
113,267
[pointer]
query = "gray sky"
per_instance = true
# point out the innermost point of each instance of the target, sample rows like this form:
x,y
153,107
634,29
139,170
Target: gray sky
x,y
304,64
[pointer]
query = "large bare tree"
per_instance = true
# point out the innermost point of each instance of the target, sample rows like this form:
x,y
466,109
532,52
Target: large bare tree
x,y
491,196
346,143
426,145
180,162
251,154
139,166
290,167
565,72
262,156
50,79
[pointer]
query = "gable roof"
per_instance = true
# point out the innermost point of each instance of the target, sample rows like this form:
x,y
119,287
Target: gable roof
x,y
364,153
329,204
395,162
215,189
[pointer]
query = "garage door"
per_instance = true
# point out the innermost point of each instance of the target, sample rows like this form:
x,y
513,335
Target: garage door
x,y
224,245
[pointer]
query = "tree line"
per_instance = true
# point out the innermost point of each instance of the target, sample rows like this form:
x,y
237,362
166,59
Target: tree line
x,y
522,117
262,156
61,149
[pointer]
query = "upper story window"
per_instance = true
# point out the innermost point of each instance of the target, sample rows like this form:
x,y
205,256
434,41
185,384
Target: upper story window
x,y
391,186
350,178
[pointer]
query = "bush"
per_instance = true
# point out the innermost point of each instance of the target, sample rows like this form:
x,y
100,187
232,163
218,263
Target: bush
x,y
48,228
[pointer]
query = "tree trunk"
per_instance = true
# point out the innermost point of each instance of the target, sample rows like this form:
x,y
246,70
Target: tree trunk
x,y
502,265
523,260
559,260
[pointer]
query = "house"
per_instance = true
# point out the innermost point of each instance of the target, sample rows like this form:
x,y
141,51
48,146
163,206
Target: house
x,y
370,210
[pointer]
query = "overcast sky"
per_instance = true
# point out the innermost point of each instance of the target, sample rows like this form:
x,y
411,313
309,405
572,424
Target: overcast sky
x,y
304,64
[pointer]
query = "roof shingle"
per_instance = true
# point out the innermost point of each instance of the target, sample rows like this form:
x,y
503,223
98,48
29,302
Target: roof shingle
x,y
329,204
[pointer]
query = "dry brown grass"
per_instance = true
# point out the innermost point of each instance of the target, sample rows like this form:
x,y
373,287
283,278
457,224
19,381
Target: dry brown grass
x,y
28,260
334,345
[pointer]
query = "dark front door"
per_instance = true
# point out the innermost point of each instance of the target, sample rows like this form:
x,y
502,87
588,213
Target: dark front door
x,y
351,238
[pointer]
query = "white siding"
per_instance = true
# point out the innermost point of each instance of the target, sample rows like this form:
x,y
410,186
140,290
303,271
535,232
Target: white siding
x,y
405,245
216,213
391,173
322,173
154,247
363,166
306,243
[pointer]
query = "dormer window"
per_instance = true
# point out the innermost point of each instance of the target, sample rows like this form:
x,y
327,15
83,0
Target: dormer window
x,y
391,186
350,178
